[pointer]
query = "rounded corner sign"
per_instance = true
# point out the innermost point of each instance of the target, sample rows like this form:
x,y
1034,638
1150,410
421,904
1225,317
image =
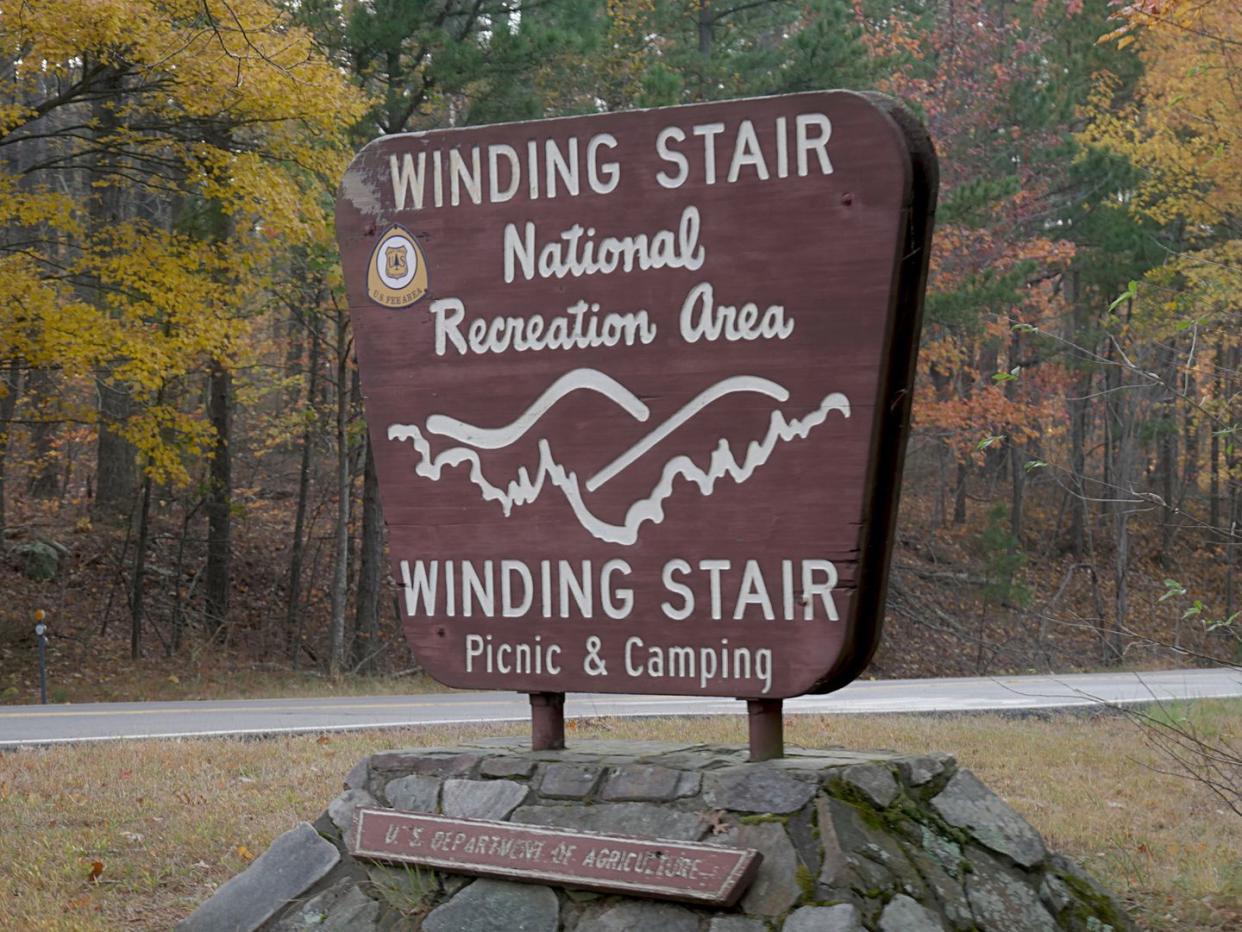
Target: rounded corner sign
x,y
645,435
397,272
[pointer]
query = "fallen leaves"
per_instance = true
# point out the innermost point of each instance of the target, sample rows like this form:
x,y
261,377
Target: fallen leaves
x,y
715,821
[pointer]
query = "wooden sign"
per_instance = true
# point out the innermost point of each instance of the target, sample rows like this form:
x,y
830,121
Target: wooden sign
x,y
670,870
637,386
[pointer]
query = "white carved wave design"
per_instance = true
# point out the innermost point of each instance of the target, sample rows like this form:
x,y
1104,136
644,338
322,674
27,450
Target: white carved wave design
x,y
529,483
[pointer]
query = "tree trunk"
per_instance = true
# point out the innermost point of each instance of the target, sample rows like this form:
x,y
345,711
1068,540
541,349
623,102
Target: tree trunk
x,y
1190,446
940,508
1017,488
370,574
1122,430
1111,485
137,590
116,475
1078,467
1077,404
1214,450
178,611
959,493
8,407
1166,457
41,391
706,28
116,479
219,496
344,492
1017,460
293,626
1232,485
1231,548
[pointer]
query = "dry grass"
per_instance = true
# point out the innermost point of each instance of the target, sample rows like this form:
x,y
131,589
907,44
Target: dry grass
x,y
169,820
75,677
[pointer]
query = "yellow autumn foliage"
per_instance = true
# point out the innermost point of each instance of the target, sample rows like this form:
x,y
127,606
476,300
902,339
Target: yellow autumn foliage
x,y
1185,125
224,109
1182,132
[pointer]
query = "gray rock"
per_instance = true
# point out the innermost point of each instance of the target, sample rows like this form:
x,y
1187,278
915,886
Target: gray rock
x,y
635,782
507,767
689,784
1003,903
341,809
483,799
633,915
863,843
424,763
801,829
757,788
699,758
40,561
625,750
966,803
946,852
359,775
295,860
872,878
840,918
414,793
343,908
642,819
874,781
1111,915
497,906
775,888
833,870
568,781
736,924
948,891
1054,894
919,771
903,914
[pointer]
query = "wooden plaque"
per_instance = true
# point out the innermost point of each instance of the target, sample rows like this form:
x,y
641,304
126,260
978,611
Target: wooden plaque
x,y
638,385
650,867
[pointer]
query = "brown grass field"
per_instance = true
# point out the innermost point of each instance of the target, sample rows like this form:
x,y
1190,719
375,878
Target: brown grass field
x,y
135,834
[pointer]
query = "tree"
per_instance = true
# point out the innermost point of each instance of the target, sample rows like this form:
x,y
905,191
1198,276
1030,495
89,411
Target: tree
x,y
1177,130
205,135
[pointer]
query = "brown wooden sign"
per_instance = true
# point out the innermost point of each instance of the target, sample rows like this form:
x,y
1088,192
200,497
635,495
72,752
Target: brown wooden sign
x,y
670,870
637,387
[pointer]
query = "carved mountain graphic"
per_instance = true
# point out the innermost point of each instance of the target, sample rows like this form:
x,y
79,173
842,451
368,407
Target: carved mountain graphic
x,y
529,482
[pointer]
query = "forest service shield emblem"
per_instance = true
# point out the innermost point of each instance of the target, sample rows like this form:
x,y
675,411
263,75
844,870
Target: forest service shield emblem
x,y
397,274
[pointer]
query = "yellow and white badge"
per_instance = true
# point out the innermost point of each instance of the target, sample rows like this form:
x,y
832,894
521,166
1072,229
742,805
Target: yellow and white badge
x,y
397,273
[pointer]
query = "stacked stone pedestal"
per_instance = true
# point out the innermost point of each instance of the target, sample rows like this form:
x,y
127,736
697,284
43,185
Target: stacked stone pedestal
x,y
851,841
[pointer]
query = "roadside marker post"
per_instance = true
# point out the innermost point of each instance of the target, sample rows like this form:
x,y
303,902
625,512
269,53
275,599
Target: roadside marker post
x,y
41,634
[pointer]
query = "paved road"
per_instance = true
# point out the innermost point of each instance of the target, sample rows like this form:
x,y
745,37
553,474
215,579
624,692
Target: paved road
x,y
105,721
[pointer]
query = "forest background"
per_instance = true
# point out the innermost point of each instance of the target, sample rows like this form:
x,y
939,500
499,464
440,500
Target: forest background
x,y
185,484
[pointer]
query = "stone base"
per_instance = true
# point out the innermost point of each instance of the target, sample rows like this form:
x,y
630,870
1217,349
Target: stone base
x,y
851,841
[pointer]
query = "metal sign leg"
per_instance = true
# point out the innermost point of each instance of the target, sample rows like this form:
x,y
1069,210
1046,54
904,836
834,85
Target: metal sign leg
x,y
767,728
547,721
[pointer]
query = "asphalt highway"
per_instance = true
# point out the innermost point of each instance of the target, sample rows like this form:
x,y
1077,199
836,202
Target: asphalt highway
x,y
108,721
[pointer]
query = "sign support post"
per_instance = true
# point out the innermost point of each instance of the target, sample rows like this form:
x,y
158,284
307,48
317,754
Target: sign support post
x,y
547,721
767,729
